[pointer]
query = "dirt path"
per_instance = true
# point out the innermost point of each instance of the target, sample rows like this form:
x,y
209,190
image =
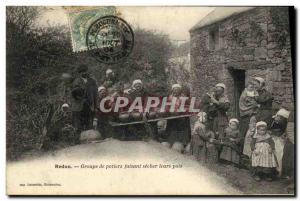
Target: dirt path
x,y
170,173
242,180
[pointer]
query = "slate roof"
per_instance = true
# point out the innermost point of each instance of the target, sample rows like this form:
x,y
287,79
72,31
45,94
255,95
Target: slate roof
x,y
218,14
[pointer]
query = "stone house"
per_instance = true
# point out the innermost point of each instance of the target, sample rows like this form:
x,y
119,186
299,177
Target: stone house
x,y
233,44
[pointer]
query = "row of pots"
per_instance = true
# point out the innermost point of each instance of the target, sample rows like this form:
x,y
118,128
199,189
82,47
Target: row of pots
x,y
137,116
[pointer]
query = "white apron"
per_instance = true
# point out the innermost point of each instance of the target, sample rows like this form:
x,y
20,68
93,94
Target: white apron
x,y
247,148
261,157
279,145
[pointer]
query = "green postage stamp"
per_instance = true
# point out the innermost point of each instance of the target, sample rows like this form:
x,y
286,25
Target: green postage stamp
x,y
80,19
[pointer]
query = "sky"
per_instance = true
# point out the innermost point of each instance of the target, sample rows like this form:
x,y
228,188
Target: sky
x,y
173,21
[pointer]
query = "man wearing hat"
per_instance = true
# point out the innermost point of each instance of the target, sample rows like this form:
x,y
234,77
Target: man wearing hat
x,y
83,100
265,100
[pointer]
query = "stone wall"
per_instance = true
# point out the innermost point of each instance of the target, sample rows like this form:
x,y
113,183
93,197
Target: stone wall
x,y
256,41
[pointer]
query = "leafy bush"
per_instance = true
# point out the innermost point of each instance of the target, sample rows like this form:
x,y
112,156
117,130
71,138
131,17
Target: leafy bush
x,y
36,58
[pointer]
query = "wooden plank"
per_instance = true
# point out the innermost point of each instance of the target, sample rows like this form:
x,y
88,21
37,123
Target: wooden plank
x,y
115,124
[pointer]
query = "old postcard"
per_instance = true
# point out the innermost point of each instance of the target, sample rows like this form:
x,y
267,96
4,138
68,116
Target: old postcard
x,y
163,100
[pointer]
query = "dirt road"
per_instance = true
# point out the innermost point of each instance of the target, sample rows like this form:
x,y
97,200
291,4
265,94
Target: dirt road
x,y
115,167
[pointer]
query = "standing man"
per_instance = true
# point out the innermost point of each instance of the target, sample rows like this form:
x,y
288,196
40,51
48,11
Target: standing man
x,y
265,100
83,101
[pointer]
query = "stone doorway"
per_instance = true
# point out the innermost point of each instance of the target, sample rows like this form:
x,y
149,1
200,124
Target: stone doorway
x,y
238,87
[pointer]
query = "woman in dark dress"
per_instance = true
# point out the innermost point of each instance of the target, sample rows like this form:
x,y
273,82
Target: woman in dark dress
x,y
209,108
218,104
139,131
102,118
283,149
265,100
178,130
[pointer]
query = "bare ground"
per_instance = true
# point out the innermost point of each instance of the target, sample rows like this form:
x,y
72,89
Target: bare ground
x,y
193,178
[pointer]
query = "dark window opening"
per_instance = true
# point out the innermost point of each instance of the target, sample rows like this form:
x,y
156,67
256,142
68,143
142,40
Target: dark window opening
x,y
214,39
239,86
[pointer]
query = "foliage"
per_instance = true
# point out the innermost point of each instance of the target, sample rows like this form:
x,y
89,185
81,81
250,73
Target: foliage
x,y
238,37
256,30
179,64
37,57
280,19
147,62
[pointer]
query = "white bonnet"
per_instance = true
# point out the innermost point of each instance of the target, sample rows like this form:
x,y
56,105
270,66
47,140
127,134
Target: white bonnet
x,y
176,86
284,113
222,85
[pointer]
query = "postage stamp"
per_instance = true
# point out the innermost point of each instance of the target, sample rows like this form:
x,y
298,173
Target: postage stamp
x,y
110,39
80,19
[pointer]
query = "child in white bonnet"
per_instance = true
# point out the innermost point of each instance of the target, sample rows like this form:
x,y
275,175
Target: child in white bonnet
x,y
203,141
263,159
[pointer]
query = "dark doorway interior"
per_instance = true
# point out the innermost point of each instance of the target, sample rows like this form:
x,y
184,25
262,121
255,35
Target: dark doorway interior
x,y
239,85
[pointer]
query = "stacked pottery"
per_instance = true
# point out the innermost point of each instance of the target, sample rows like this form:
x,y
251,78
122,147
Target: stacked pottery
x,y
166,144
89,136
124,117
136,116
152,115
178,146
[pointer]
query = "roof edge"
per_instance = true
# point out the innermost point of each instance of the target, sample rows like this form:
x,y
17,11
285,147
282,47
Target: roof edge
x,y
218,19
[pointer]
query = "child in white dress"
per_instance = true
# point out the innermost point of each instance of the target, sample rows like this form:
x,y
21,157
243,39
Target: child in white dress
x,y
263,159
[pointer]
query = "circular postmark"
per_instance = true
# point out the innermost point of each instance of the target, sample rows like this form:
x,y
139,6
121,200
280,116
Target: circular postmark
x,y
110,39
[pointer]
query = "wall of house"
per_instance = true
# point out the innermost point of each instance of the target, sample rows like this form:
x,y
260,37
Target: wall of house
x,y
256,41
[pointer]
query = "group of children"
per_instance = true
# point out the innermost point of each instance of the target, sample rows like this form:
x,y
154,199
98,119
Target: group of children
x,y
258,144
209,147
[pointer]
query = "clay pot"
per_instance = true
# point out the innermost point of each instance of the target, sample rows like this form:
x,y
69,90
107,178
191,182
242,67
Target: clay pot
x,y
175,113
163,114
152,115
90,135
166,144
136,116
187,149
178,146
124,117
66,76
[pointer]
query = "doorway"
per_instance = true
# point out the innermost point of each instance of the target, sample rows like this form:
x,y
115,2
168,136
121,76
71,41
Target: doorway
x,y
239,86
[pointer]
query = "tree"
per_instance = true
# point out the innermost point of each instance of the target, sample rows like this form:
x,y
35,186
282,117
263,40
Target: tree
x,y
36,58
21,16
